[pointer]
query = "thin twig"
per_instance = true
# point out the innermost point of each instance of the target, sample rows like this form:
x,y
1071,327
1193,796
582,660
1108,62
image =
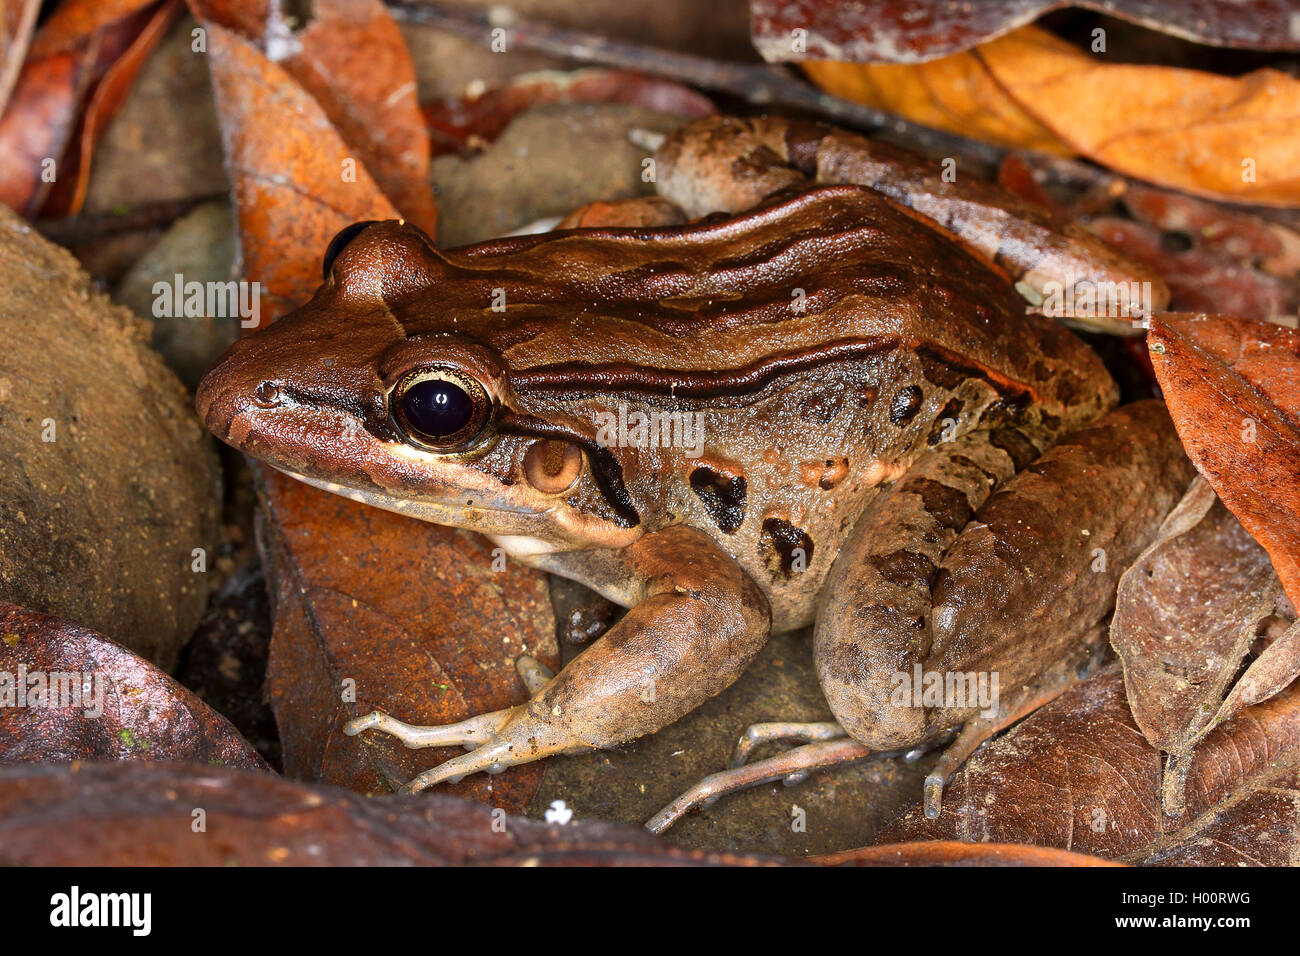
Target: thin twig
x,y
71,230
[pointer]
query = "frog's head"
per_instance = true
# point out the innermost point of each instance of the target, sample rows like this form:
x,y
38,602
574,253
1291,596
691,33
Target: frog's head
x,y
383,389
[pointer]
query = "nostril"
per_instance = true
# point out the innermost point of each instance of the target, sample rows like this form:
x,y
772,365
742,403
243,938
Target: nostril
x,y
267,395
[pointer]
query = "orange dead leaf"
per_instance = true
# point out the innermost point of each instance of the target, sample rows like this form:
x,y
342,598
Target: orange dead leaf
x,y
85,46
352,59
955,93
1233,389
291,194
1233,137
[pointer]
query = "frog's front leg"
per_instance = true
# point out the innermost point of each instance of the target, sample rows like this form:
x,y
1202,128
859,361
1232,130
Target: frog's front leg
x,y
696,621
943,589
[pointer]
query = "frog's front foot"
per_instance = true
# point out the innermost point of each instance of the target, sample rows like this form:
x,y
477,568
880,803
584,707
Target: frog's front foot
x,y
491,739
494,741
697,621
482,731
468,733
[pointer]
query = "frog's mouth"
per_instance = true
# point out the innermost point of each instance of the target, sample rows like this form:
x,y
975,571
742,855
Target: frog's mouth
x,y
467,515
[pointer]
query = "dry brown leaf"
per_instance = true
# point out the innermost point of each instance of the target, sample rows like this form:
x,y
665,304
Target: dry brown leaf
x,y
68,55
904,31
1233,137
377,611
1078,775
141,815
121,707
69,193
956,93
1186,613
957,853
352,60
286,162
17,21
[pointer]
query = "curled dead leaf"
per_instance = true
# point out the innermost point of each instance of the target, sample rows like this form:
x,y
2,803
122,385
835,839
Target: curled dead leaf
x,y
146,815
83,45
900,31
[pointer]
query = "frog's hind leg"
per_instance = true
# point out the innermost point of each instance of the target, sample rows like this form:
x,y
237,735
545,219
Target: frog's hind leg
x,y
696,621
872,624
930,619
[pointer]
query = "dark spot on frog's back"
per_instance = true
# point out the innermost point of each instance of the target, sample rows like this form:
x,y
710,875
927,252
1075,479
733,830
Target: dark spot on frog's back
x,y
818,409
791,544
905,404
1019,449
904,568
949,506
722,496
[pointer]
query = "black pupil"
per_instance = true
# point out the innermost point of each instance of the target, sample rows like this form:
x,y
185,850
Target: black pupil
x,y
437,408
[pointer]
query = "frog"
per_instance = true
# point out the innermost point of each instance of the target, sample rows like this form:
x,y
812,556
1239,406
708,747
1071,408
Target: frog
x,y
803,386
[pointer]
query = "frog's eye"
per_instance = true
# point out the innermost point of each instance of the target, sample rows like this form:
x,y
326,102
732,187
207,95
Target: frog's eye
x,y
440,407
340,242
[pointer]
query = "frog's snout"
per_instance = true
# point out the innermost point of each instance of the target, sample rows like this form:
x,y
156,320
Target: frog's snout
x,y
227,390
215,399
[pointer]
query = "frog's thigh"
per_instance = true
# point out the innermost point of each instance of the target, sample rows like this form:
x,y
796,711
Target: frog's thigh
x,y
872,622
1039,565
1016,590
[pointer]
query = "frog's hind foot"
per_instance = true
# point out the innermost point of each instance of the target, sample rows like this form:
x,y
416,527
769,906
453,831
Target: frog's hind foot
x,y
757,734
830,747
1080,661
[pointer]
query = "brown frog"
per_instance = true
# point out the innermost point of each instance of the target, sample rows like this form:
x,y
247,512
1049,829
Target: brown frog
x,y
824,404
